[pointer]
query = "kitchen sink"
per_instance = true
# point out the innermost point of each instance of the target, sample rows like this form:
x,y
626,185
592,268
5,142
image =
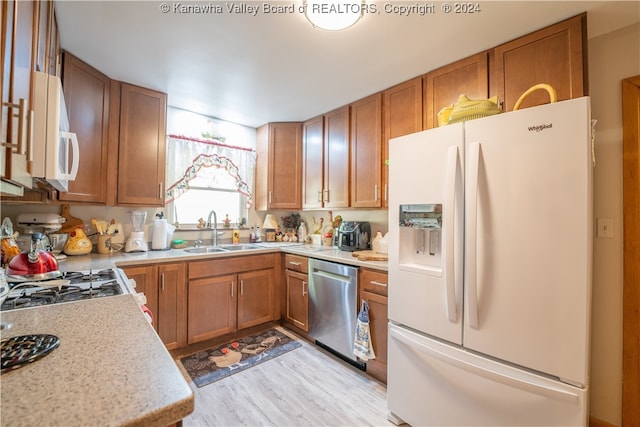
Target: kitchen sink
x,y
240,247
221,249
205,250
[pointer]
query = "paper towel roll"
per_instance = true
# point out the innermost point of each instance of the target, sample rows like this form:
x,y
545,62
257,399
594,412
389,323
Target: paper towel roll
x,y
159,239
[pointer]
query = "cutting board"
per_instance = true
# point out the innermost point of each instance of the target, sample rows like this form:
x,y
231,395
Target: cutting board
x,y
71,222
370,256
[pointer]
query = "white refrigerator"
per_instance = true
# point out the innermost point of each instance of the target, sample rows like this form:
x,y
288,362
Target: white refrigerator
x,y
490,254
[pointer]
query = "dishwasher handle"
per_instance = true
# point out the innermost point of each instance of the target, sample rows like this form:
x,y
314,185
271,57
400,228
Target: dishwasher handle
x,y
332,276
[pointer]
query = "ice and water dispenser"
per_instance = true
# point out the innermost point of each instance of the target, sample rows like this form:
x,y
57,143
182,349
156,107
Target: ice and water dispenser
x,y
421,237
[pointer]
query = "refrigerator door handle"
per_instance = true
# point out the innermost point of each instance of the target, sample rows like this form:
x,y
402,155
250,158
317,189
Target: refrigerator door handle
x,y
450,191
471,232
518,383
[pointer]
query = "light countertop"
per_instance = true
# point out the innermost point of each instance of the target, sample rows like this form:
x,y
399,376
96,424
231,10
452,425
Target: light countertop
x,y
95,261
110,369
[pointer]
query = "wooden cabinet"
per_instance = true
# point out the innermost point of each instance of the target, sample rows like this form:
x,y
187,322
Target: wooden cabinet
x,y
374,290
442,87
165,290
297,292
555,55
402,112
335,192
312,162
256,297
366,152
229,294
211,307
142,146
47,40
17,24
278,166
86,93
326,160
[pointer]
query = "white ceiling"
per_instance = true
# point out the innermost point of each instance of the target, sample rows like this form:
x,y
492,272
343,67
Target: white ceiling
x,y
276,67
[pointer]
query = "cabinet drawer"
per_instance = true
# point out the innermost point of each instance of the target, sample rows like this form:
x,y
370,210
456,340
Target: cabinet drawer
x,y
221,266
374,281
296,263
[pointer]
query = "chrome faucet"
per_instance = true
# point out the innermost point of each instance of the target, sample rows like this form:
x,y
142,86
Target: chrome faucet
x,y
214,225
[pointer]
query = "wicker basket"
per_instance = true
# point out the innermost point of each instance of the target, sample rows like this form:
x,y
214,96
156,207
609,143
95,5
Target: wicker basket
x,y
468,109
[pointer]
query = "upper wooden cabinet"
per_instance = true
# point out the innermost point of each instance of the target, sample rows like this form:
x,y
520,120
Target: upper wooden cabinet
x,y
326,160
366,152
86,93
312,162
335,192
402,112
279,166
142,146
47,47
17,46
442,87
555,55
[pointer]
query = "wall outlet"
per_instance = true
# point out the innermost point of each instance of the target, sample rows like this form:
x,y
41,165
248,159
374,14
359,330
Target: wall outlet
x,y
605,227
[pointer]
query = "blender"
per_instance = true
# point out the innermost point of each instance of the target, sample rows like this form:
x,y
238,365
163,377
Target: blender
x,y
136,241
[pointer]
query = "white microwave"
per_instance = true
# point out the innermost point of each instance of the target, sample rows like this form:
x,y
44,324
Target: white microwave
x,y
56,154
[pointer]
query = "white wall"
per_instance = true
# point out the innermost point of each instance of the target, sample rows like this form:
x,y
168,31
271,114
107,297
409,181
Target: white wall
x,y
612,58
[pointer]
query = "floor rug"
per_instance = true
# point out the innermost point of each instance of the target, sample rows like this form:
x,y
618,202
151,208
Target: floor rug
x,y
219,362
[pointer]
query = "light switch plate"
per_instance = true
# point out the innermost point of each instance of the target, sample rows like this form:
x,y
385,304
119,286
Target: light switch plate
x,y
605,227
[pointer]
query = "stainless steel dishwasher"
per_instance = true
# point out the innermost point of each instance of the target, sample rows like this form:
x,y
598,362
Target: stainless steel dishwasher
x,y
333,305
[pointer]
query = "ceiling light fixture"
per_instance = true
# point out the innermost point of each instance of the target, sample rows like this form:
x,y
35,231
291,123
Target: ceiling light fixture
x,y
333,15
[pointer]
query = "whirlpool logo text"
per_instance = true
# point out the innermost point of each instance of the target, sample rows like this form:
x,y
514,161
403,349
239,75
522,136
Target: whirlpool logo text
x,y
539,128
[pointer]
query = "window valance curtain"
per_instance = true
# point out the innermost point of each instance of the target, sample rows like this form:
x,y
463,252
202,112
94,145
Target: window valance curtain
x,y
188,158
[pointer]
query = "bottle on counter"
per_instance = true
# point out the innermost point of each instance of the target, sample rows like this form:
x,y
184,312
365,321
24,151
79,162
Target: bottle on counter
x,y
252,235
235,236
302,232
258,235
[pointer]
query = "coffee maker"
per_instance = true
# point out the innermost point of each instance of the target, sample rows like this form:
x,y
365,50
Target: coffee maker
x,y
354,236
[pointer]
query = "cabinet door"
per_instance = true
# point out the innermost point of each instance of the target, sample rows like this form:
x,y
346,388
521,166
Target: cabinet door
x,y
312,162
279,166
555,55
366,152
336,158
146,279
86,92
255,298
297,299
17,63
211,307
141,157
46,46
469,76
378,320
402,112
171,305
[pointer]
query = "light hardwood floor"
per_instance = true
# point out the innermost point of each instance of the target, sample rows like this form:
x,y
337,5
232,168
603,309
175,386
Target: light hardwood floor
x,y
304,387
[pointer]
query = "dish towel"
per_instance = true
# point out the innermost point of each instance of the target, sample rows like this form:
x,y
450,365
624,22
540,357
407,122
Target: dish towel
x,y
362,346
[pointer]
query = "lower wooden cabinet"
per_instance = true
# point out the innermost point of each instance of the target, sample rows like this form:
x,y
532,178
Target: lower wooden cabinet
x,y
229,294
164,288
373,289
212,307
297,291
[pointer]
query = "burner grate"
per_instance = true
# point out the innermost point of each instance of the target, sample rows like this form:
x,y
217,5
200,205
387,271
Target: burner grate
x,y
23,349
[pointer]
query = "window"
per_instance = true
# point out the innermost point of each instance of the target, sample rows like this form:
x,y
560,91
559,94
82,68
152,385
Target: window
x,y
210,172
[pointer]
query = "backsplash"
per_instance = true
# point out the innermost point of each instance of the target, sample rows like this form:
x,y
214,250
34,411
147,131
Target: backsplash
x,y
377,218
